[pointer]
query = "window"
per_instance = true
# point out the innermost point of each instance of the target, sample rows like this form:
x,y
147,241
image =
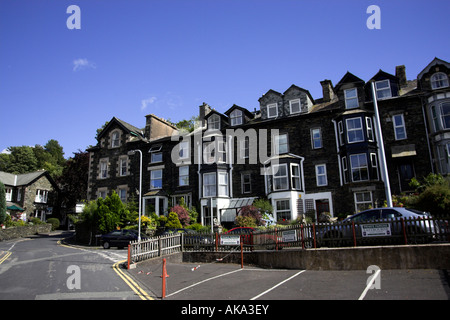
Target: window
x,y
272,110
115,139
359,169
8,194
369,127
383,89
354,130
19,194
283,208
209,184
223,183
103,169
445,115
244,148
156,179
321,175
183,178
236,117
156,157
295,175
41,196
439,80
281,144
374,165
214,122
246,182
295,106
344,168
316,138
123,195
363,200
280,177
341,133
183,150
123,166
399,127
209,152
351,98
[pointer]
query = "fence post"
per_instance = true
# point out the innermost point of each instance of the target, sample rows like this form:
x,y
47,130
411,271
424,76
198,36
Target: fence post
x,y
217,242
354,234
164,272
159,246
314,235
404,230
129,256
242,251
301,233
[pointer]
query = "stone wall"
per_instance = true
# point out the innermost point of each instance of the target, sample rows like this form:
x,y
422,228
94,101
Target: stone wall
x,y
25,231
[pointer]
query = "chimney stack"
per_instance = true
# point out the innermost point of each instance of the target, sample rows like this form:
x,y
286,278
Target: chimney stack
x,y
327,90
400,73
204,110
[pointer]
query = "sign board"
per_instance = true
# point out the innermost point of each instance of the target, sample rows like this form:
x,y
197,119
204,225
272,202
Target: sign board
x,y
376,230
289,236
230,240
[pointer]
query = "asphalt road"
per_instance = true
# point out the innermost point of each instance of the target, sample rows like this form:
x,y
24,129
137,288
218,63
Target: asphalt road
x,y
40,268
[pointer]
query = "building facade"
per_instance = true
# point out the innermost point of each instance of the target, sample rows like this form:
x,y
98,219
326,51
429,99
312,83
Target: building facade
x,y
299,152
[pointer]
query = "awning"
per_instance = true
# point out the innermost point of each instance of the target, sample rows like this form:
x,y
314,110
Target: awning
x,y
237,203
406,150
15,208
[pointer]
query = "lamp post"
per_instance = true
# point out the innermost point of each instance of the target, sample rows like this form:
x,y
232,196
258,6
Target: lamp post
x,y
132,152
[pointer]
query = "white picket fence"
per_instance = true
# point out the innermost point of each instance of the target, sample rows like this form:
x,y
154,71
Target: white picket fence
x,y
155,247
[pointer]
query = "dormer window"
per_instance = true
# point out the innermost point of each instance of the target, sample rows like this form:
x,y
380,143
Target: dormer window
x,y
295,106
439,80
115,139
383,89
351,98
272,110
214,122
236,117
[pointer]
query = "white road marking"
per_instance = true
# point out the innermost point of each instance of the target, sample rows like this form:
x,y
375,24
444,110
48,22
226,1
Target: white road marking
x,y
277,285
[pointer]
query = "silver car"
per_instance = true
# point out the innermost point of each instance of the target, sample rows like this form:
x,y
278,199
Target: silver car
x,y
380,225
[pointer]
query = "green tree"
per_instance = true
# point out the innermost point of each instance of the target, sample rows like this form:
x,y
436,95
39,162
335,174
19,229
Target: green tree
x,y
21,160
173,222
2,203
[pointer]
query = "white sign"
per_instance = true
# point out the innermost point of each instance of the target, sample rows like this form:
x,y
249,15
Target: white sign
x,y
229,240
289,236
376,230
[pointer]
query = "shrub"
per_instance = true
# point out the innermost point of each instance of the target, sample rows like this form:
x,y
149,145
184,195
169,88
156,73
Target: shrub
x,y
173,222
247,221
183,215
54,222
37,221
252,212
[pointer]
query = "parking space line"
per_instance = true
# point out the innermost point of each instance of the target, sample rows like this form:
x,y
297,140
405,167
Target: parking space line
x,y
203,281
279,284
374,277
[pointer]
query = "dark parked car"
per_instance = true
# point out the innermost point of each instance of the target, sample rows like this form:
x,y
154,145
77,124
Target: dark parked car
x,y
119,238
379,223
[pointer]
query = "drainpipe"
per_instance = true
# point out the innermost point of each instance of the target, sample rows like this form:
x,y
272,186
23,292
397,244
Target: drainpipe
x,y
384,171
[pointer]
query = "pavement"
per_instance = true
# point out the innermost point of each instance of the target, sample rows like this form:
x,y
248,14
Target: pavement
x,y
223,281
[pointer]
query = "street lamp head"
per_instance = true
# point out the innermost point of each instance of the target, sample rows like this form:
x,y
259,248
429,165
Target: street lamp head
x,y
131,152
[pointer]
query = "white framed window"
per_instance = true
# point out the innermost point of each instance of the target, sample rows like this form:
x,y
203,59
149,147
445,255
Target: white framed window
x,y
183,176
354,130
19,194
103,169
369,127
295,106
246,179
236,117
281,144
8,194
123,194
214,122
209,152
399,127
316,138
283,210
244,147
221,151
295,176
321,175
351,98
374,165
223,183
209,184
183,150
439,80
345,168
280,177
272,110
359,168
123,169
115,139
363,200
341,133
156,157
156,179
445,114
383,89
41,196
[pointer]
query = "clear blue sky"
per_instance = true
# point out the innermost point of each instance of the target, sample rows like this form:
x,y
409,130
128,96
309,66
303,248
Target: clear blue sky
x,y
135,57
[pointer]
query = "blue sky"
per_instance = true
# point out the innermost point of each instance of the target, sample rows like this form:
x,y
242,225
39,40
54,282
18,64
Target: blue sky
x,y
135,57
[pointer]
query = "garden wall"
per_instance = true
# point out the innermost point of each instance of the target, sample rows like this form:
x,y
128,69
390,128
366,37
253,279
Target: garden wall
x,y
25,231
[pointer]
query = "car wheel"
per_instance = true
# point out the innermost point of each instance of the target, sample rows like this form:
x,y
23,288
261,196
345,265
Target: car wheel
x,y
106,245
